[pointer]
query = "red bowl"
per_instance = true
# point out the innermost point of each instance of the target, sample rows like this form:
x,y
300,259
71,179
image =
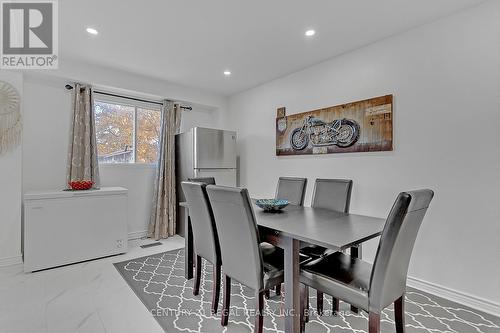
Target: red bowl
x,y
81,185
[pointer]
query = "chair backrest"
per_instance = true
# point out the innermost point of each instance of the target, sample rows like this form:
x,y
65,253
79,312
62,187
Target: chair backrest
x,y
292,189
390,268
238,235
206,180
333,194
205,237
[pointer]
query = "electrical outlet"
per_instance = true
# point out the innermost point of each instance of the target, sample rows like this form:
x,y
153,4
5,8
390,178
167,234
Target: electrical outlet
x,y
119,243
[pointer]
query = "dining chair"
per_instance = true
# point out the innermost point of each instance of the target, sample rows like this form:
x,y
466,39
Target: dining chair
x,y
292,189
205,237
373,287
256,265
206,180
331,194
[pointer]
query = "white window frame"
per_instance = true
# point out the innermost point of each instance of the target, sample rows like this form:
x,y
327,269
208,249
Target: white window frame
x,y
131,103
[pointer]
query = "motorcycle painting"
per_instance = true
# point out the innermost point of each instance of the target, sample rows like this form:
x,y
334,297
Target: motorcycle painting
x,y
340,132
354,127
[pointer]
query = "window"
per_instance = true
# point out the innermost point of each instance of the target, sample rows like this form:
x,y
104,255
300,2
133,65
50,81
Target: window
x,y
127,132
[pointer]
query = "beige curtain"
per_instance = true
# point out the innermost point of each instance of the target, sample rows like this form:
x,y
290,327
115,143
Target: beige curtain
x,y
82,150
162,223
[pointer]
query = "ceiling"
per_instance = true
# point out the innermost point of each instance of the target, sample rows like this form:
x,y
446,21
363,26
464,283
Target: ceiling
x,y
192,42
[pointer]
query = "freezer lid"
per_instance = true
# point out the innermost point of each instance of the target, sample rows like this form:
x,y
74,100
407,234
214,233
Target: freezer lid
x,y
54,194
213,148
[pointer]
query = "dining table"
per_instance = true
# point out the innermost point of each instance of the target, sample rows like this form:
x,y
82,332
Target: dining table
x,y
296,225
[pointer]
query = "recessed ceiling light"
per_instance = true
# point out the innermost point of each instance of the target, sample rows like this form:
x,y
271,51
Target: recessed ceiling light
x,y
92,31
227,73
310,33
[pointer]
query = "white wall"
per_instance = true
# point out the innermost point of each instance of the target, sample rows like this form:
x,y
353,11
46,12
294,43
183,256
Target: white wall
x,y
117,80
445,78
10,191
46,134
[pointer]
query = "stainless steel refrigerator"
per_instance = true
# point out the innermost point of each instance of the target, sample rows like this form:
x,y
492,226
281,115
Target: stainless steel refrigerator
x,y
204,152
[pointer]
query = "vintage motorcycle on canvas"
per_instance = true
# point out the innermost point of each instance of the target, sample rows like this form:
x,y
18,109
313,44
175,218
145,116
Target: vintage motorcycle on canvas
x,y
340,132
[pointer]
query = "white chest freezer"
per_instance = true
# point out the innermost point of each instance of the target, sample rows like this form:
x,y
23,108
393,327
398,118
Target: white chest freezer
x,y
64,227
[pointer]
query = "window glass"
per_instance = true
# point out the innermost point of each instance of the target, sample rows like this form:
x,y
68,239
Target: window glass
x,y
126,133
148,135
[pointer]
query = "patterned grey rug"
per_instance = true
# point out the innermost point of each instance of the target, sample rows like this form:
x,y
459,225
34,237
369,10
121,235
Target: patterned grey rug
x,y
158,280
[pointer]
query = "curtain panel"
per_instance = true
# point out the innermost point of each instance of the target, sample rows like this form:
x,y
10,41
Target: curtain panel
x,y
163,214
82,150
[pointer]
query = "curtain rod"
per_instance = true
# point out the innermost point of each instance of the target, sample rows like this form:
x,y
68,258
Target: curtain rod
x,y
70,87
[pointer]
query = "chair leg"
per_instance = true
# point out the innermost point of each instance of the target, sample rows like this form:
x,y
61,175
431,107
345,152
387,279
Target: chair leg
x,y
197,277
399,314
373,323
226,298
278,290
335,305
216,288
304,306
267,294
319,302
259,308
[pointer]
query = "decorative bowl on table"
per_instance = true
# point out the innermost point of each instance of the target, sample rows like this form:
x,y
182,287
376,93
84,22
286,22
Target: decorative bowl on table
x,y
271,205
81,185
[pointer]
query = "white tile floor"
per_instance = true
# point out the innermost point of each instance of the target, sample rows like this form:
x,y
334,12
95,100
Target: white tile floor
x,y
87,297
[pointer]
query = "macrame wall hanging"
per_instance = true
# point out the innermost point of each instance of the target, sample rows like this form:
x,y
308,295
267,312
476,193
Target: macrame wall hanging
x,y
10,117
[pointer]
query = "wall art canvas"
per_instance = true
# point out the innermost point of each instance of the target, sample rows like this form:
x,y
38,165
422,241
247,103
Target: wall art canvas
x,y
360,126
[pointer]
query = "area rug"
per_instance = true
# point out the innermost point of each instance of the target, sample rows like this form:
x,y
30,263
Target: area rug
x,y
158,280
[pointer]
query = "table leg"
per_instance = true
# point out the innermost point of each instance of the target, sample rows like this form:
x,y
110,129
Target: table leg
x,y
292,285
188,248
356,252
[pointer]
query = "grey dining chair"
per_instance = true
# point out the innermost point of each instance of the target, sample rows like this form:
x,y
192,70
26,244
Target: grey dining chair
x,y
205,237
292,189
332,194
205,180
374,287
256,265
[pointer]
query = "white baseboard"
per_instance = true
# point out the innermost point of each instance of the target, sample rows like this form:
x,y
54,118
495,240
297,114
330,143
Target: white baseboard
x,y
9,261
137,234
469,300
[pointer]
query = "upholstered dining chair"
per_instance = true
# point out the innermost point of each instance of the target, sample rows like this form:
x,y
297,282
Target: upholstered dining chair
x,y
332,194
205,180
292,189
256,265
205,238
374,287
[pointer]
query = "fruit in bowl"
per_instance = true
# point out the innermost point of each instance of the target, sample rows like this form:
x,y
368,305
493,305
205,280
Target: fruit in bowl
x,y
80,185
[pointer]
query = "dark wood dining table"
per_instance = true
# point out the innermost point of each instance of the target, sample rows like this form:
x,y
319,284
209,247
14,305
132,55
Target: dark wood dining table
x,y
296,224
